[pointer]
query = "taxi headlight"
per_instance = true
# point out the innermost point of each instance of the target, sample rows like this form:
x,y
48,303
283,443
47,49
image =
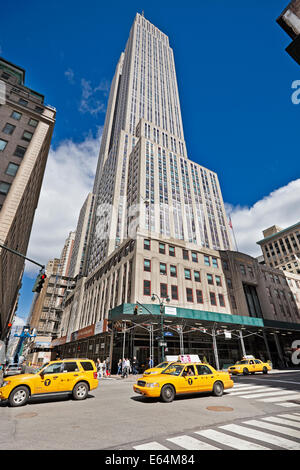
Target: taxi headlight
x,y
7,382
152,385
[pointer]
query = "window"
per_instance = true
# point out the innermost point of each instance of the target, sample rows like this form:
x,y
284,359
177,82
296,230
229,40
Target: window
x,y
206,261
8,128
20,151
15,115
174,292
87,365
55,368
210,279
3,144
33,122
199,296
4,187
215,262
23,102
147,287
194,257
147,265
203,370
173,271
27,136
243,269
197,276
163,290
162,248
146,244
225,264
12,169
233,302
229,283
189,295
218,281
187,274
70,367
38,109
172,250
163,268
185,254
213,300
221,300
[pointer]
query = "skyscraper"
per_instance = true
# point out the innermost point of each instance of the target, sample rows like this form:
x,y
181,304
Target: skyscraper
x,y
144,177
26,126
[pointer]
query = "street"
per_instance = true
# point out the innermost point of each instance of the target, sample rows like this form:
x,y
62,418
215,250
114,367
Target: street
x,y
265,408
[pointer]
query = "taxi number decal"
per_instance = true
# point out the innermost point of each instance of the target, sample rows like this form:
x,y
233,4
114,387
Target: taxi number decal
x,y
47,382
190,381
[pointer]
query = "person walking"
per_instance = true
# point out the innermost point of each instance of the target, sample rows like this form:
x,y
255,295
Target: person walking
x,y
99,368
103,368
135,366
119,367
126,368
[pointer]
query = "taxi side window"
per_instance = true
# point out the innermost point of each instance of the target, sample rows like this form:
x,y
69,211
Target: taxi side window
x,y
87,365
54,368
70,367
203,370
251,362
257,362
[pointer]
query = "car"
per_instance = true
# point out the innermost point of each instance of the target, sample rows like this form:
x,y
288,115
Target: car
x,y
180,378
66,376
157,369
13,369
249,366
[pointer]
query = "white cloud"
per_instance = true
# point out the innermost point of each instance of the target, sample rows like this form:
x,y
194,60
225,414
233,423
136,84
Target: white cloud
x,y
281,207
93,98
68,179
69,74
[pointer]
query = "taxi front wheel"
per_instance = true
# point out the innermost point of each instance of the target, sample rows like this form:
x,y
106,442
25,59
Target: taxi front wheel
x,y
19,396
167,393
80,391
218,389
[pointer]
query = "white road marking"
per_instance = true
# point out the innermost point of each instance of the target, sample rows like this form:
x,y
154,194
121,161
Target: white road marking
x,y
151,446
262,436
280,420
274,427
268,393
294,417
230,441
277,399
288,405
190,443
249,389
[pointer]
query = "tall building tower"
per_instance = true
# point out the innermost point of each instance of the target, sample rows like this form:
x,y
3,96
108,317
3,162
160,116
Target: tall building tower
x,y
26,126
144,177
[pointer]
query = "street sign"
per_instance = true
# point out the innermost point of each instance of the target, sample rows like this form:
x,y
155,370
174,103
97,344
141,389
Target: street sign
x,y
168,333
162,343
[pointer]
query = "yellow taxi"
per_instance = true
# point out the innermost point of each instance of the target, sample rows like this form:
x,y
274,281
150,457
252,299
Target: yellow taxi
x,y
157,369
249,366
72,376
179,378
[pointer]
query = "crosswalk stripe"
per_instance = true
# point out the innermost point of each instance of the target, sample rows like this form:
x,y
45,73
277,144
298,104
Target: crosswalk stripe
x,y
254,390
277,399
230,441
151,446
262,436
287,405
294,416
266,393
250,389
241,385
280,420
190,443
275,427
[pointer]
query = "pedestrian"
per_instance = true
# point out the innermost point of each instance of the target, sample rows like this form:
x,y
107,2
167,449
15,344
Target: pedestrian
x,y
135,366
103,368
150,363
107,367
126,367
119,367
99,368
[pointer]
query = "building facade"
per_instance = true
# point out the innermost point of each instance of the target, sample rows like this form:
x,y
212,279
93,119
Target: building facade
x,y
26,126
281,248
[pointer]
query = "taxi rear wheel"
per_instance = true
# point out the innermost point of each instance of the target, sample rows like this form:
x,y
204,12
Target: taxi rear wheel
x,y
265,370
245,371
80,391
218,389
167,393
19,396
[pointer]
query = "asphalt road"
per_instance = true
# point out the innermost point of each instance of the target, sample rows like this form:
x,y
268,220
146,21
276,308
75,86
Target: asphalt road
x,y
114,417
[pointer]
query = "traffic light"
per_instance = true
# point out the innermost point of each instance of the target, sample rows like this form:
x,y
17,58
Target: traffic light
x,y
39,282
136,310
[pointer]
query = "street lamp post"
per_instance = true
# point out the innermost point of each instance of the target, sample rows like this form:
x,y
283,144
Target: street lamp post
x,y
161,309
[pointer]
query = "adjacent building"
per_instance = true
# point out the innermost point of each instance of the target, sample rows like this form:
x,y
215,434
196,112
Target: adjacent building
x,y
289,20
281,248
26,127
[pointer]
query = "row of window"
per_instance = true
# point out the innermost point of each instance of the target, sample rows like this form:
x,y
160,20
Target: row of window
x,y
189,294
186,255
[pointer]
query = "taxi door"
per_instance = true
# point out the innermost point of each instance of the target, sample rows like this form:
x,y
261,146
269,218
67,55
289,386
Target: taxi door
x,y
48,380
252,366
258,366
69,376
187,383
206,378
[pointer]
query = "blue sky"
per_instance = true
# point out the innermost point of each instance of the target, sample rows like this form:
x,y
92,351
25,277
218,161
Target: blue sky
x,y
234,80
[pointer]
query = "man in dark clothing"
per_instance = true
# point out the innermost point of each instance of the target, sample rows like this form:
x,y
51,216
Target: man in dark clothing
x,y
135,366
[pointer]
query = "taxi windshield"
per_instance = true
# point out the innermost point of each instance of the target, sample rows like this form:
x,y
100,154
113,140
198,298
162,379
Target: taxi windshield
x,y
173,369
162,365
37,371
242,362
